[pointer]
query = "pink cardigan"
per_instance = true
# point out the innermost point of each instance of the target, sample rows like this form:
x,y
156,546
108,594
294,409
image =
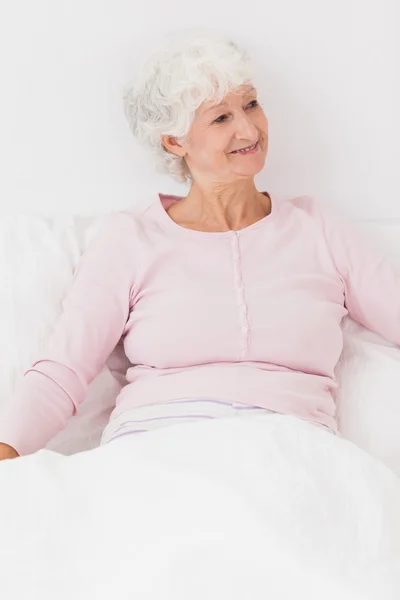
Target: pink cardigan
x,y
249,316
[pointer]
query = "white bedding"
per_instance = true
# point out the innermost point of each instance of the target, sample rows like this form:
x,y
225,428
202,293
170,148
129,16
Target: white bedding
x,y
224,509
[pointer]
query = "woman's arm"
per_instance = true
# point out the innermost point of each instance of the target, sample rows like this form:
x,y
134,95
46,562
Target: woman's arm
x,y
371,282
95,311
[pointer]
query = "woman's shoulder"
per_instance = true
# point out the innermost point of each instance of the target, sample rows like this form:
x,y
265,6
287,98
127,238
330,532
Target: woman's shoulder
x,y
304,202
291,207
113,231
122,220
137,213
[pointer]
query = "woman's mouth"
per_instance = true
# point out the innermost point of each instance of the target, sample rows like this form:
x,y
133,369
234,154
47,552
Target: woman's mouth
x,y
249,150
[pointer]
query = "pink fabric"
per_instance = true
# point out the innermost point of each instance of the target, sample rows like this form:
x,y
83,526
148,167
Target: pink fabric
x,y
249,316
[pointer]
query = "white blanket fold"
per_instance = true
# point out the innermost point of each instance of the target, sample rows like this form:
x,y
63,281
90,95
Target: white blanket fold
x,y
271,508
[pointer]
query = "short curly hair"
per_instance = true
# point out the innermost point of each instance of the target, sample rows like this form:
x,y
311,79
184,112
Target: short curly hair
x,y
186,69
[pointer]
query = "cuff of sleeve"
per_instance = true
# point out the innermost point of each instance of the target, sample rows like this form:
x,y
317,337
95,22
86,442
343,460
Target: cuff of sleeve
x,y
37,411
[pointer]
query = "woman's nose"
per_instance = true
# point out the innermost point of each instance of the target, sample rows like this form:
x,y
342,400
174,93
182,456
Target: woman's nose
x,y
245,128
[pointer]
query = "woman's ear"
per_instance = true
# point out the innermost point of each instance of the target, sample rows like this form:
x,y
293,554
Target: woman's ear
x,y
171,144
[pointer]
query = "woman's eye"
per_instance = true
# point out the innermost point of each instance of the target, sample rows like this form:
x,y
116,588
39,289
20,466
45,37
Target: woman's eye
x,y
254,104
218,120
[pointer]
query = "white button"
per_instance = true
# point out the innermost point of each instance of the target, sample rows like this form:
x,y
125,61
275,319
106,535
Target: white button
x,y
244,328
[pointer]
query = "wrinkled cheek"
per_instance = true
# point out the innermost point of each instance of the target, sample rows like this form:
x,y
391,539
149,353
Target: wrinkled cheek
x,y
211,160
207,157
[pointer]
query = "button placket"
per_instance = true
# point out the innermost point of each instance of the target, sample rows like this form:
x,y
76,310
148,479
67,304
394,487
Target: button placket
x,y
243,316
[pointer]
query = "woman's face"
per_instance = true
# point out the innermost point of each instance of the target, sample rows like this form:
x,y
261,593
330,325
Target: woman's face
x,y
217,131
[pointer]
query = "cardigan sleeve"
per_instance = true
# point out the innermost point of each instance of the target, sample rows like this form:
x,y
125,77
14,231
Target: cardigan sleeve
x,y
95,311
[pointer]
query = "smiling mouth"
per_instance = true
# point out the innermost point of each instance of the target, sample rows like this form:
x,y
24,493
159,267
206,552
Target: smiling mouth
x,y
247,149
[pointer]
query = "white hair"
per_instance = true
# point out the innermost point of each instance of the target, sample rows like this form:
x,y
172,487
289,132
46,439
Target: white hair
x,y
187,69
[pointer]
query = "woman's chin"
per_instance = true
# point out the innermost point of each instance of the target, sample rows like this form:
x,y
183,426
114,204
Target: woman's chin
x,y
250,169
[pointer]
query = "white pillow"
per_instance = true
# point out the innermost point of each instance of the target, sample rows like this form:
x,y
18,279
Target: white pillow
x,y
368,397
368,372
36,266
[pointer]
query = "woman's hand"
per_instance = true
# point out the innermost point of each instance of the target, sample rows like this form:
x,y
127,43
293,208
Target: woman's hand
x,y
7,451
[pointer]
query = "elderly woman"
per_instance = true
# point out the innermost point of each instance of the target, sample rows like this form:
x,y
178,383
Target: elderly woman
x,y
228,300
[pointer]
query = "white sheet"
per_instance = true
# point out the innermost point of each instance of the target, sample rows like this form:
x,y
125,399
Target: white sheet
x,y
224,509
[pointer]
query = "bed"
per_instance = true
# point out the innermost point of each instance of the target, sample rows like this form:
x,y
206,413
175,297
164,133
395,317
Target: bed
x,y
216,509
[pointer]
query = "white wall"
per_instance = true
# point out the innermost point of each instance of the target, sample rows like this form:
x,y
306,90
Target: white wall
x,y
331,93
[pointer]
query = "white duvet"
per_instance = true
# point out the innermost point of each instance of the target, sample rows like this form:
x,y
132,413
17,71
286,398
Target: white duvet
x,y
267,508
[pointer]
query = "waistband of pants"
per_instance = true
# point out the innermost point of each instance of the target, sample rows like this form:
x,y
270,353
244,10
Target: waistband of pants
x,y
152,416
